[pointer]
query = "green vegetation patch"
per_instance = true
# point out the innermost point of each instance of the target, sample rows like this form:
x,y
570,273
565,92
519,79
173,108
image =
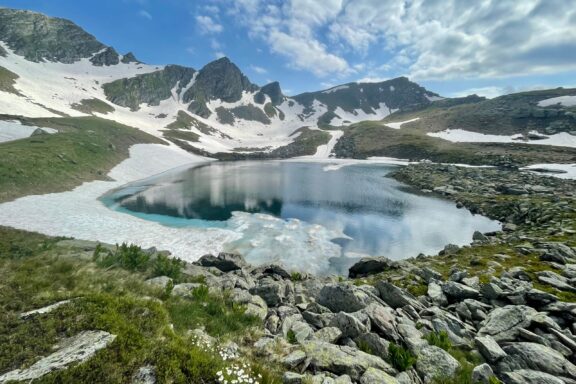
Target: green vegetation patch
x,y
93,105
7,81
84,149
174,134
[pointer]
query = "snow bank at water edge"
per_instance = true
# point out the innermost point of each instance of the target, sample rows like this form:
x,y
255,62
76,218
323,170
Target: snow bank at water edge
x,y
567,101
562,139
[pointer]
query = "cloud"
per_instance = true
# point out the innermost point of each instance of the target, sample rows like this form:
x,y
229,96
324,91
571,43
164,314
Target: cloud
x,y
259,70
425,39
145,14
219,54
208,25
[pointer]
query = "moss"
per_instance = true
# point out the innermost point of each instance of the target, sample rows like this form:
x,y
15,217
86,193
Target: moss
x,y
93,105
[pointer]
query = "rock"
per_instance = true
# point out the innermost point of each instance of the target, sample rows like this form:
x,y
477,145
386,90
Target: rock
x,y
429,274
342,360
459,292
292,378
273,292
489,349
294,359
144,375
225,262
370,266
528,376
503,323
351,324
185,289
344,379
396,297
555,280
479,236
328,334
376,345
272,270
413,338
537,357
436,294
43,310
433,361
162,282
383,320
457,275
540,298
76,349
202,338
482,373
376,376
346,298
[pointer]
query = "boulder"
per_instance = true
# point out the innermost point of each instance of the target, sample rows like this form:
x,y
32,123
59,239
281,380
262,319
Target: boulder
x,y
436,294
162,282
376,376
503,323
370,266
537,357
342,360
383,320
528,376
489,349
273,292
294,359
328,334
351,324
482,373
458,292
292,378
396,297
144,375
342,297
225,262
433,361
375,344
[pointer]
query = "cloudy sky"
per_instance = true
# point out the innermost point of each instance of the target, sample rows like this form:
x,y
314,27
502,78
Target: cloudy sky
x,y
453,47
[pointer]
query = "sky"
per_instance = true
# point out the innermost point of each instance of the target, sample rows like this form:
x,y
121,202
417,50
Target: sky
x,y
452,47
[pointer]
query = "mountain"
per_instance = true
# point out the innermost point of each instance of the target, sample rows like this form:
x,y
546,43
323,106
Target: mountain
x,y
50,67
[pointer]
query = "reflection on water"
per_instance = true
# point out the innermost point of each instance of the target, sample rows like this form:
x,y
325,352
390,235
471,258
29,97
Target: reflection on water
x,y
377,216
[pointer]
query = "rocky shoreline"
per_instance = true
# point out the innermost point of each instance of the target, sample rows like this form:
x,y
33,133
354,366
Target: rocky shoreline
x,y
502,310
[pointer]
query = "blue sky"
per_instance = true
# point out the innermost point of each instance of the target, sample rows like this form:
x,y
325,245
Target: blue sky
x,y
449,46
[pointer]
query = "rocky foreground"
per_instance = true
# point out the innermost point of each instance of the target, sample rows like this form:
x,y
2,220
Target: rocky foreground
x,y
502,310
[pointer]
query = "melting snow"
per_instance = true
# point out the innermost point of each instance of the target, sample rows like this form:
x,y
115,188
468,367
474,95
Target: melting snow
x,y
13,130
399,124
335,89
564,171
562,139
567,101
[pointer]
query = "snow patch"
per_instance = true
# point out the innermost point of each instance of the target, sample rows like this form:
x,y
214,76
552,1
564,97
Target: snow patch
x,y
562,171
325,150
399,124
14,130
336,89
562,139
567,101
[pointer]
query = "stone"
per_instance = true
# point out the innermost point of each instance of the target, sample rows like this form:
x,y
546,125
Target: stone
x,y
433,361
75,349
396,297
144,375
162,282
528,376
503,323
185,289
273,292
376,345
376,376
436,294
429,274
342,360
539,358
294,359
479,236
351,324
459,292
44,310
383,321
272,270
489,349
413,338
328,334
343,297
344,379
292,378
225,262
482,373
539,298
370,266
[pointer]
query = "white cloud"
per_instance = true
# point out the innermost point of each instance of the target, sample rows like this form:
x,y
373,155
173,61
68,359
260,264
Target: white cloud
x,y
219,54
489,92
258,69
145,14
426,39
208,25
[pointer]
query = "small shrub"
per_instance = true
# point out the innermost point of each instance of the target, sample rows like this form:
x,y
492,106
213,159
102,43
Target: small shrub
x,y
296,276
291,337
439,339
166,266
129,257
365,347
201,293
400,358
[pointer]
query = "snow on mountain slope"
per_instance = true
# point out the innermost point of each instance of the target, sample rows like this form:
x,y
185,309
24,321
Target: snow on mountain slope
x,y
562,139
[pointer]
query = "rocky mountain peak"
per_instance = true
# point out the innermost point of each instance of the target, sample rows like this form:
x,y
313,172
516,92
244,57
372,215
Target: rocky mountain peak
x,y
130,58
271,90
38,37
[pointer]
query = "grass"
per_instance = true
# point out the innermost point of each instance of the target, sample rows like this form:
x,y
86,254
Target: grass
x,y
439,339
400,358
7,81
151,328
85,149
173,134
291,337
93,105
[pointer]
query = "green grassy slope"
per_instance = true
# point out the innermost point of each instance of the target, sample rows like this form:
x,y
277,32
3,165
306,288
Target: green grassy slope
x,y
85,148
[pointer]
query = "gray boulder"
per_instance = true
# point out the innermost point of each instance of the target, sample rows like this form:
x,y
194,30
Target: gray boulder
x,y
375,344
396,297
225,262
346,298
433,362
328,334
482,373
459,292
503,323
161,282
489,349
376,376
537,357
383,320
528,376
342,360
351,324
144,375
370,266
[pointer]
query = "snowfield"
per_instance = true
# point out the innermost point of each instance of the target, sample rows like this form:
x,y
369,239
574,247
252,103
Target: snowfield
x,y
567,101
562,139
399,124
13,130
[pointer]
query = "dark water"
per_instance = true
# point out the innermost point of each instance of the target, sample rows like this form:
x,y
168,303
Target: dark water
x,y
375,215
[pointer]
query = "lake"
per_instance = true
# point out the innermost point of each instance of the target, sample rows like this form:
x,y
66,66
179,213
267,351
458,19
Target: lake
x,y
309,216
